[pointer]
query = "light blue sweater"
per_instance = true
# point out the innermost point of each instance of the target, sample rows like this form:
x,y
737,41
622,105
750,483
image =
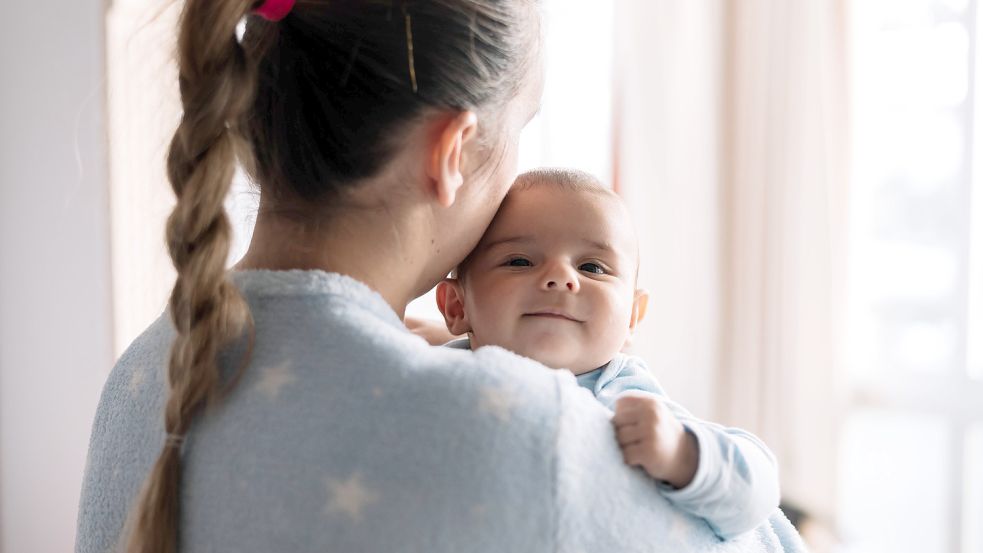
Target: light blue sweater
x,y
348,433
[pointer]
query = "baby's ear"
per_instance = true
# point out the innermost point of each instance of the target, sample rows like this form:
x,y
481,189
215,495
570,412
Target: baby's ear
x,y
450,302
638,308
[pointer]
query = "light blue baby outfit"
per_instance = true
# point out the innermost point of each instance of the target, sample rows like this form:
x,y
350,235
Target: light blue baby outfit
x,y
347,433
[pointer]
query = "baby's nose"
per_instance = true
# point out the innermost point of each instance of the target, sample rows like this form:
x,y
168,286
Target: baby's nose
x,y
560,277
555,284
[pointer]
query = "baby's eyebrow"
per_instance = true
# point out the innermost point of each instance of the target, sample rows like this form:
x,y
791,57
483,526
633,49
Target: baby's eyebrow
x,y
606,246
618,256
508,240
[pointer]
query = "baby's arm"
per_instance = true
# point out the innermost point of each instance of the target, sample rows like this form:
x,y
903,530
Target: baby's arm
x,y
726,476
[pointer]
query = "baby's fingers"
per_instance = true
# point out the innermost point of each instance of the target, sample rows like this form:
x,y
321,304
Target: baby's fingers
x,y
626,413
625,418
635,455
630,434
632,402
639,408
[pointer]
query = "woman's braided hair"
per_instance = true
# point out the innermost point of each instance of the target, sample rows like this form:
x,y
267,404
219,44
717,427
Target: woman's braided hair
x,y
308,105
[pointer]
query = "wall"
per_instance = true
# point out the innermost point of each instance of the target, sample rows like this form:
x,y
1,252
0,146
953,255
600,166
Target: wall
x,y
55,322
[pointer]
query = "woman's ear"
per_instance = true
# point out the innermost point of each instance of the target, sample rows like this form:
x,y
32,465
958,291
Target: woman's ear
x,y
444,169
450,302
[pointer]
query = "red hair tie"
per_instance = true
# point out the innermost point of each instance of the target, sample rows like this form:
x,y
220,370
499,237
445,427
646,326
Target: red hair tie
x,y
274,10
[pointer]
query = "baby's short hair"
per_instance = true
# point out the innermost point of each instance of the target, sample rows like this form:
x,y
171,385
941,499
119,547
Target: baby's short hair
x,y
571,180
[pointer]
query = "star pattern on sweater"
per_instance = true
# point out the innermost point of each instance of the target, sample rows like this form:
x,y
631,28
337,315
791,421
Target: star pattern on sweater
x,y
479,511
349,497
497,401
273,378
136,379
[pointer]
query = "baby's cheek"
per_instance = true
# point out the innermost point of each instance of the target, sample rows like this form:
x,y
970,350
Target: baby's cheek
x,y
611,338
488,327
607,342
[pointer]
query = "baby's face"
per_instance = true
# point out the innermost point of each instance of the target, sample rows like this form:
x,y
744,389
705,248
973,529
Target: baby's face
x,y
553,278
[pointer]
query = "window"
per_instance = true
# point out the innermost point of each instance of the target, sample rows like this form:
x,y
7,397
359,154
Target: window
x,y
910,458
144,109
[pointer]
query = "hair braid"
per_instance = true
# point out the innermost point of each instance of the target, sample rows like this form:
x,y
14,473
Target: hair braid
x,y
217,87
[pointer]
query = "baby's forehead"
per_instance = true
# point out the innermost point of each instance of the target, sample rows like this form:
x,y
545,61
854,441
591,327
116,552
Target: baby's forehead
x,y
538,196
605,204
529,208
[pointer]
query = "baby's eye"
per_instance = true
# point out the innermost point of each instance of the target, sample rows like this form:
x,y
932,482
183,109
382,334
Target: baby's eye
x,y
592,268
518,262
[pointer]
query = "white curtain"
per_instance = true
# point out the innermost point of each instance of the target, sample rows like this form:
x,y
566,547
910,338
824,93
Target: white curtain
x,y
785,172
733,155
667,97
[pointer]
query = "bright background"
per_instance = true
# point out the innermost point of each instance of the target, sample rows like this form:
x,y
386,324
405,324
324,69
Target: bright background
x,y
804,175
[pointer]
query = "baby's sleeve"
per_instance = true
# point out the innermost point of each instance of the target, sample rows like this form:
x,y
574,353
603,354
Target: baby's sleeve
x,y
604,505
735,487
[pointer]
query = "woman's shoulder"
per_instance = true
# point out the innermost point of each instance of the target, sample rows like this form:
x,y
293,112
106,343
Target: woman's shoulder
x,y
142,364
498,360
492,371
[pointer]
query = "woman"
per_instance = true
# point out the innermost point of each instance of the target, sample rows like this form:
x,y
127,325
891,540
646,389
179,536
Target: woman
x,y
299,413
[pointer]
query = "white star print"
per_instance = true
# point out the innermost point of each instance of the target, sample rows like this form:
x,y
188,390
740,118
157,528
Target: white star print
x,y
136,379
478,511
274,378
497,402
349,497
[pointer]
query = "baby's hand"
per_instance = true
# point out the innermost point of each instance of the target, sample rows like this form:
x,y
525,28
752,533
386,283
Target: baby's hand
x,y
652,437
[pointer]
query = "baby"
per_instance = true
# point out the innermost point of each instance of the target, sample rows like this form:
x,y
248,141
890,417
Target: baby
x,y
554,279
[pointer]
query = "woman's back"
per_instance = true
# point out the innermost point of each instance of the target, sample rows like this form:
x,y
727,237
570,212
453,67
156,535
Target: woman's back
x,y
345,433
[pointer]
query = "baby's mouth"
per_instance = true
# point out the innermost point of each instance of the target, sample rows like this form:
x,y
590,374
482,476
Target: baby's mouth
x,y
553,314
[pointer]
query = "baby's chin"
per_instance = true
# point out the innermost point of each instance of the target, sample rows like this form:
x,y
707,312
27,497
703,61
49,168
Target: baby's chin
x,y
556,351
570,359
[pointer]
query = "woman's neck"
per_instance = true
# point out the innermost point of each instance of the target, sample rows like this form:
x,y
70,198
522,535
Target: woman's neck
x,y
382,253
